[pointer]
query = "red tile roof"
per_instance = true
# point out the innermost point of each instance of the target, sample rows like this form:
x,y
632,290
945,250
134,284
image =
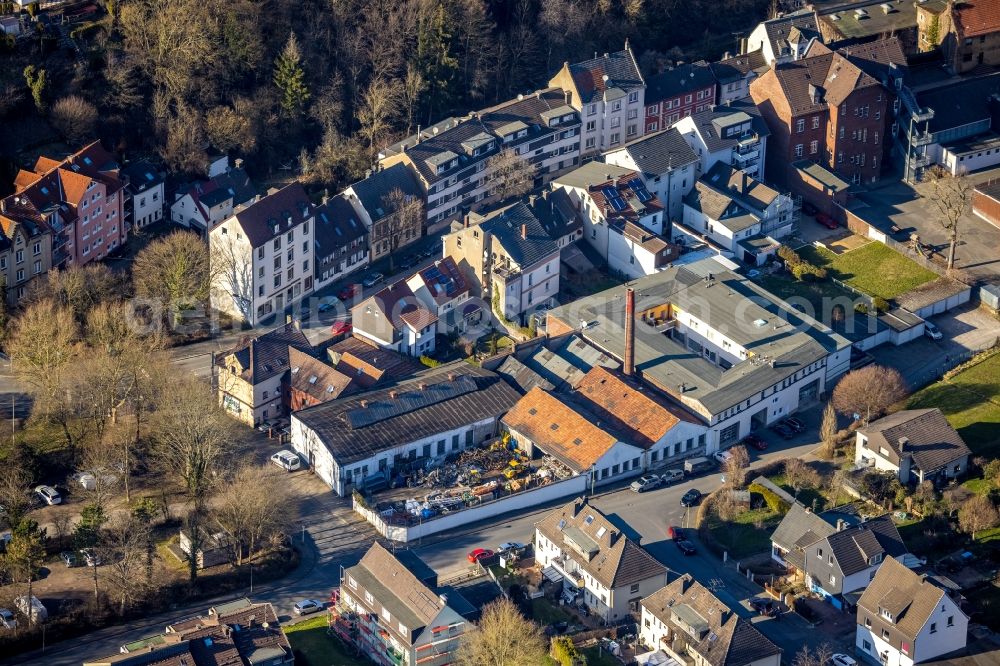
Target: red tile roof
x,y
977,17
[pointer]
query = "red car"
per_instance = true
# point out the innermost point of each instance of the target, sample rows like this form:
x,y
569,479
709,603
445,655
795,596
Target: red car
x,y
347,292
756,442
341,328
480,554
675,533
826,221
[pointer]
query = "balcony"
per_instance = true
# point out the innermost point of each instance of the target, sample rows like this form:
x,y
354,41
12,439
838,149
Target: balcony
x,y
569,570
744,156
920,161
504,274
918,139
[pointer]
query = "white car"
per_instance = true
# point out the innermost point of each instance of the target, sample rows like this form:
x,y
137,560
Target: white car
x,y
843,660
287,460
672,476
48,494
7,619
644,483
307,606
510,546
722,456
932,331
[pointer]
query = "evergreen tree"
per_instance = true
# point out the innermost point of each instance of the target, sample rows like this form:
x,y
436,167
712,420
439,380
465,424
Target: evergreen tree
x,y
437,65
36,79
290,78
25,554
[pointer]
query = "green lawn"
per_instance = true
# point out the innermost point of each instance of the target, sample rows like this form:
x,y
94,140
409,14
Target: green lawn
x,y
971,401
544,612
316,648
931,537
875,269
596,657
742,536
979,486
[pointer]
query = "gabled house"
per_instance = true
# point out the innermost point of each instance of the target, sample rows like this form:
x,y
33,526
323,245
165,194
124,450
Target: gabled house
x,y
369,365
785,38
916,445
609,93
25,248
203,205
904,619
799,528
310,381
966,31
665,162
845,561
395,319
389,607
688,623
678,93
576,545
445,292
509,259
250,377
262,255
733,75
733,134
144,194
622,220
559,215
391,220
341,241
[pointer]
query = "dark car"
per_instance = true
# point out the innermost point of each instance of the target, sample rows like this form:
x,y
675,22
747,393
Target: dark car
x,y
373,279
675,533
409,261
809,209
764,606
795,424
691,498
783,430
685,546
826,221
347,292
755,442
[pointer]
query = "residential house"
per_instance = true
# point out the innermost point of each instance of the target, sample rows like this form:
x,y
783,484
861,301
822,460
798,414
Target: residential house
x,y
203,205
848,24
677,93
609,92
309,381
688,623
25,247
916,445
390,608
733,75
735,211
904,619
785,38
840,565
341,241
734,134
455,167
262,256
827,108
509,259
395,319
388,202
445,292
360,440
369,365
799,528
80,199
624,223
559,215
145,200
238,632
250,376
735,355
578,546
967,32
666,164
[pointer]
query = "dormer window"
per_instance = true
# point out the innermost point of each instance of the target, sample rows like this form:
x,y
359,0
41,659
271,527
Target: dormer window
x,y
875,559
886,614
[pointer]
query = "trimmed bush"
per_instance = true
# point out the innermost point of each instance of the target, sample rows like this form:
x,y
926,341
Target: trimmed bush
x,y
564,652
430,362
774,503
881,304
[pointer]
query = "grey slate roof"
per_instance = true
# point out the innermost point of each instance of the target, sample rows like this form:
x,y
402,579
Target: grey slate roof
x,y
142,176
620,68
267,355
337,224
779,29
933,443
679,81
564,366
505,225
708,121
735,68
455,395
719,206
661,152
852,547
372,190
801,527
275,214
521,377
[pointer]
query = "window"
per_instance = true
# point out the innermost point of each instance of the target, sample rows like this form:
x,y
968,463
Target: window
x,y
866,645
368,597
653,127
868,622
833,579
20,271
798,150
819,553
591,125
38,267
260,250
633,97
616,137
800,125
885,634
815,123
951,620
933,627
813,147
634,588
616,122
36,249
687,99
19,256
633,114
616,105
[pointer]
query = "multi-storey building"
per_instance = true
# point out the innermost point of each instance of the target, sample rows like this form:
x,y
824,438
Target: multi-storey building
x,y
783,39
203,205
967,32
394,318
144,200
341,240
80,199
509,257
454,167
677,93
595,561
609,93
445,292
734,134
262,256
733,75
849,23
826,109
666,164
25,249
389,203
391,608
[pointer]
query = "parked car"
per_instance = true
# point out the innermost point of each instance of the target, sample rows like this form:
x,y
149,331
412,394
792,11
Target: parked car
x,y
755,442
826,221
644,483
841,659
691,498
480,554
783,430
287,460
348,292
409,261
674,533
326,306
307,606
372,279
809,209
69,558
763,605
7,619
33,606
90,557
341,328
685,546
932,331
794,424
672,476
48,494
515,547
722,456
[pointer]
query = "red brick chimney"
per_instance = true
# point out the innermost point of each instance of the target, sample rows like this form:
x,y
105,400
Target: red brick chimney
x,y
629,360
524,231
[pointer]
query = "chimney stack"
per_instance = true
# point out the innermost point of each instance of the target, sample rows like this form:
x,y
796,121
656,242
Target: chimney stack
x,y
904,443
629,360
524,231
239,162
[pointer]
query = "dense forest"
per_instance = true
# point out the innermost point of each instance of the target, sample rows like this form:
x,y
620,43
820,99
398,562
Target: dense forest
x,y
317,86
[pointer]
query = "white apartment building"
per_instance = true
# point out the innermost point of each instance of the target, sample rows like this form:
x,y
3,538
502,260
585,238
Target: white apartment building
x,y
783,39
733,134
262,256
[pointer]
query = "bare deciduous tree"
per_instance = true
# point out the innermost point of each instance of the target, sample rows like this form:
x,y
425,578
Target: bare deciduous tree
x,y
819,656
123,551
78,288
14,492
228,130
510,175
735,466
42,348
403,222
828,432
868,391
75,118
950,196
504,638
726,506
251,507
800,475
978,514
174,272
380,105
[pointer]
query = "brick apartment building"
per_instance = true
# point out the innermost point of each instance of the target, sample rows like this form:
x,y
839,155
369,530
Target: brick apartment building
x,y
830,109
678,93
967,32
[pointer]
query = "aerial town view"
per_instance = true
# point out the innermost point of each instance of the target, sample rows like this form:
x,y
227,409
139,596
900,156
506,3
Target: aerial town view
x,y
500,332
